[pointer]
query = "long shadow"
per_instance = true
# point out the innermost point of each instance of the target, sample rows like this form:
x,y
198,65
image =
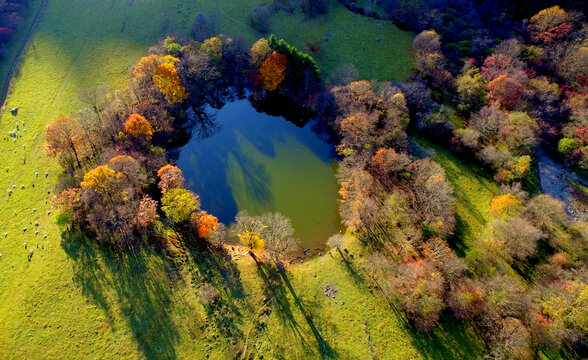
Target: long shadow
x,y
448,341
141,293
456,241
326,351
274,290
212,266
357,277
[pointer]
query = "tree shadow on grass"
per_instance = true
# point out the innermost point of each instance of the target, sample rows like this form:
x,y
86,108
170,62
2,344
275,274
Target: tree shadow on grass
x,y
449,340
213,266
277,288
137,282
456,241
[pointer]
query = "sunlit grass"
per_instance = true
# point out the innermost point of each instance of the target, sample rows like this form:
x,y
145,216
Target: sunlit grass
x,y
75,300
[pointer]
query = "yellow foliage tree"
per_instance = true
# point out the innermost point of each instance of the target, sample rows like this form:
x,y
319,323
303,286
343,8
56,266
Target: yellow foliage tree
x,y
137,125
213,47
99,178
167,80
259,52
252,241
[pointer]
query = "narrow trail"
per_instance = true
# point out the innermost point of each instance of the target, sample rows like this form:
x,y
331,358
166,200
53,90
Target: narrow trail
x,y
16,60
554,180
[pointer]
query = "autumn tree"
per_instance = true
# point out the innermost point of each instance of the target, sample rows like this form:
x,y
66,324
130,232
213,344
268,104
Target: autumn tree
x,y
171,178
67,141
506,205
68,206
518,237
505,91
421,286
272,70
213,47
278,235
178,204
248,230
432,196
130,168
259,52
137,126
206,224
100,179
147,213
167,80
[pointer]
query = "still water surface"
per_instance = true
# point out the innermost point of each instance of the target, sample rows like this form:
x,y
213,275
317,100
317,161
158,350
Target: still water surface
x,y
259,163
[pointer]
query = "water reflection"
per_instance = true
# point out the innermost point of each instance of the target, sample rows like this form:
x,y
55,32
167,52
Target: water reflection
x,y
254,161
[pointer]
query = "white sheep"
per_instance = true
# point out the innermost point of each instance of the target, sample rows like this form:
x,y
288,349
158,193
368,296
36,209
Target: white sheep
x,y
25,245
5,234
24,228
45,236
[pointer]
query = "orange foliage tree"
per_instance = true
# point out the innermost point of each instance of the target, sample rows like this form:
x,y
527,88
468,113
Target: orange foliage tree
x,y
137,126
506,204
167,80
272,70
207,223
146,66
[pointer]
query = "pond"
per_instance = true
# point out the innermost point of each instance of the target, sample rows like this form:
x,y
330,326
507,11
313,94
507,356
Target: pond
x,y
260,163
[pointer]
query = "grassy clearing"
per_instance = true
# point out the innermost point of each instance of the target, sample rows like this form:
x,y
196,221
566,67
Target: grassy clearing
x,y
473,191
75,300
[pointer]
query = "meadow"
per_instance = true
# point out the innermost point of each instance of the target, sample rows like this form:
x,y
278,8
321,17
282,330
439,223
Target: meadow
x,y
72,299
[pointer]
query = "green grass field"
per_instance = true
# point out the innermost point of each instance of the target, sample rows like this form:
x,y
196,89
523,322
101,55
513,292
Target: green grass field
x,y
76,300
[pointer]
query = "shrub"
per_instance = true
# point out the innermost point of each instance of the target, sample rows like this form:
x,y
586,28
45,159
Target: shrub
x,y
566,145
260,19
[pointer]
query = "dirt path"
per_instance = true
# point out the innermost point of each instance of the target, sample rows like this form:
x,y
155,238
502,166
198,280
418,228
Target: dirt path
x,y
554,180
16,59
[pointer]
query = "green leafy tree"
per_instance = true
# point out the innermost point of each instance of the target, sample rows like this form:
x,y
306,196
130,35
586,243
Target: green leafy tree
x,y
178,204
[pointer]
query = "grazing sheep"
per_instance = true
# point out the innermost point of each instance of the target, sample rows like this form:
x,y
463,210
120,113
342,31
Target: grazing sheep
x,y
25,245
46,174
36,173
24,228
37,232
22,187
36,223
5,234
48,212
45,236
34,209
